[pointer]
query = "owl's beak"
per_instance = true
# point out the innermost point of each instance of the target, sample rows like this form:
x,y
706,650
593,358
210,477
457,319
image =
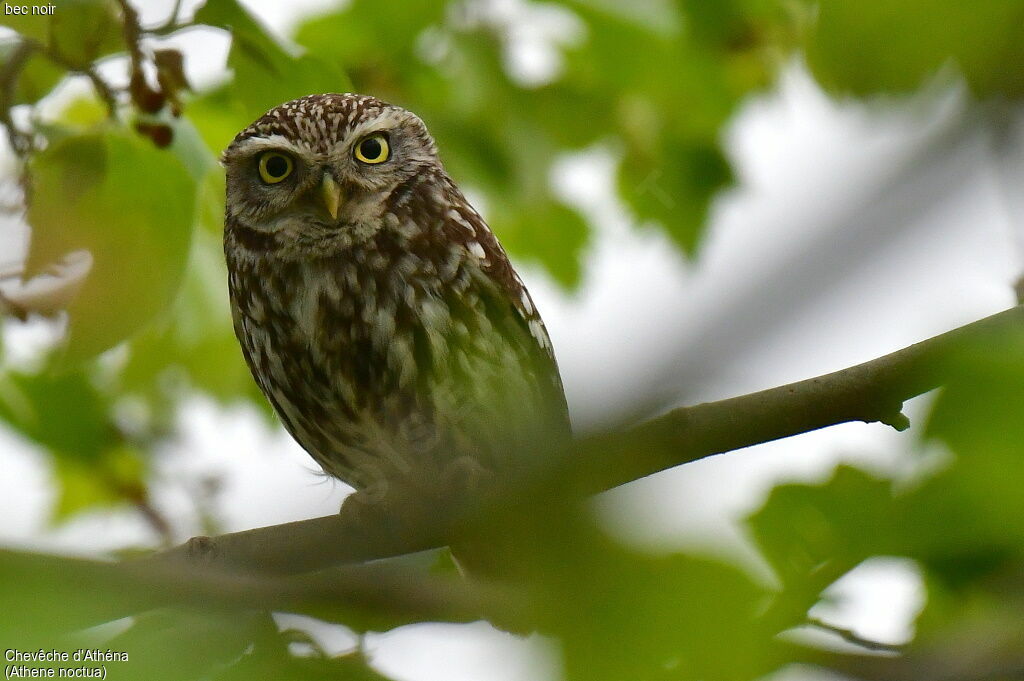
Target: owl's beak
x,y
330,192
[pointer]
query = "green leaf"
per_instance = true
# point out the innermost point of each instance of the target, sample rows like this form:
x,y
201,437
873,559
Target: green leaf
x,y
82,31
972,514
877,46
217,116
28,25
196,156
623,615
200,643
802,528
811,535
674,185
656,16
367,32
132,207
271,660
195,342
265,73
37,77
618,613
63,412
546,232
69,416
112,479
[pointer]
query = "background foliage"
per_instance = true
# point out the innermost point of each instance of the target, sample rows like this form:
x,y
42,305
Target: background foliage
x,y
130,174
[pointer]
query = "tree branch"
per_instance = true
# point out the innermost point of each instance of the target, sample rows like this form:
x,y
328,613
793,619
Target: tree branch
x,y
397,523
57,594
870,392
852,637
20,141
991,653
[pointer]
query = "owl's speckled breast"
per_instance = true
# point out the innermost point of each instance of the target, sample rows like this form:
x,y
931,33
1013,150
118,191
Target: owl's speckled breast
x,y
373,360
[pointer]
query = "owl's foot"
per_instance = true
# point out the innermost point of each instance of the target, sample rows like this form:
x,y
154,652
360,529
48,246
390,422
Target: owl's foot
x,y
374,495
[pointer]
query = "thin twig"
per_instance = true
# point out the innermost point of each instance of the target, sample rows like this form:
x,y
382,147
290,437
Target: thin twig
x,y
171,24
103,90
850,636
156,520
132,31
21,142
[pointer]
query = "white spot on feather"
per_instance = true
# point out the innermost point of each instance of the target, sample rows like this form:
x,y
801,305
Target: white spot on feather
x,y
539,334
527,304
457,218
476,249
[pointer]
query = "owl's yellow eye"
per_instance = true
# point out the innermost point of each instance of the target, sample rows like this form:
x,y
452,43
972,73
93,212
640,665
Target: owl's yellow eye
x,y
275,166
373,149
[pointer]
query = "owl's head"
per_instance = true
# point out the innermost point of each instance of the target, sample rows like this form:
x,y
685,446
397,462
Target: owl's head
x,y
324,165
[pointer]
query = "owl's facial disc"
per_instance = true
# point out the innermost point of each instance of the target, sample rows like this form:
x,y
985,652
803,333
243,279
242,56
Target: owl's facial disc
x,y
323,169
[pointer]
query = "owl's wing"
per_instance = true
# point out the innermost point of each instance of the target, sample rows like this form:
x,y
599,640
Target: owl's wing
x,y
543,356
511,309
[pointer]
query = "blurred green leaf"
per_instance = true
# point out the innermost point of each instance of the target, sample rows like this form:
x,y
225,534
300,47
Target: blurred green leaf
x,y
549,233
372,35
37,77
973,511
200,643
620,613
825,529
81,31
674,187
81,114
198,159
28,25
270,659
624,615
67,415
876,46
131,206
265,74
113,479
63,412
195,342
656,16
812,535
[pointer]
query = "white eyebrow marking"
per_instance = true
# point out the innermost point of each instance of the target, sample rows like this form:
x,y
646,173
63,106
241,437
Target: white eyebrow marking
x,y
253,144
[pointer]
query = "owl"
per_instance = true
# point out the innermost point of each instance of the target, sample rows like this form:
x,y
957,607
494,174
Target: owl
x,y
375,308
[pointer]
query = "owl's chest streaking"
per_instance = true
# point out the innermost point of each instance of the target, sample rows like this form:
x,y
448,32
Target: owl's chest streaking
x,y
386,353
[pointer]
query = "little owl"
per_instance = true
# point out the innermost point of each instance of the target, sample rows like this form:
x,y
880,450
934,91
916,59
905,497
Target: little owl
x,y
377,312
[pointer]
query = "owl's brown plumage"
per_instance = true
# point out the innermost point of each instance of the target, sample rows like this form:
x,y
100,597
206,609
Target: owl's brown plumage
x,y
375,308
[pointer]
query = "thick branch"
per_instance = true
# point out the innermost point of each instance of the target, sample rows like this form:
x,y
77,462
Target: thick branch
x,y
57,594
398,523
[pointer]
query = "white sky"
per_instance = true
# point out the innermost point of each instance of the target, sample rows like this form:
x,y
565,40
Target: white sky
x,y
771,300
